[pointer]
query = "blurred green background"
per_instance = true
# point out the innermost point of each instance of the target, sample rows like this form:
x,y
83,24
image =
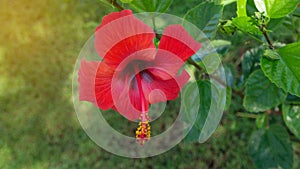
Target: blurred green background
x,y
39,44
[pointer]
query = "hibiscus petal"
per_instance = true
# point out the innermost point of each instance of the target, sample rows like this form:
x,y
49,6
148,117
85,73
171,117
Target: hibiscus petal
x,y
102,83
113,89
166,64
120,35
126,97
86,79
176,40
158,90
113,16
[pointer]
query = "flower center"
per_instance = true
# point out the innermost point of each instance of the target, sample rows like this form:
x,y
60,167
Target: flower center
x,y
143,132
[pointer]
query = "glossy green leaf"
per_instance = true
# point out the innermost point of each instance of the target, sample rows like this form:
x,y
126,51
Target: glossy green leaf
x,y
226,27
150,5
210,62
261,121
220,45
208,48
192,136
224,2
244,23
271,148
207,57
280,8
191,99
230,74
285,72
212,103
241,8
260,6
261,94
271,54
251,59
126,1
291,116
292,99
206,17
274,24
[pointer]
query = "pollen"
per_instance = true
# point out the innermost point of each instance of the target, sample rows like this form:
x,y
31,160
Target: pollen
x,y
143,132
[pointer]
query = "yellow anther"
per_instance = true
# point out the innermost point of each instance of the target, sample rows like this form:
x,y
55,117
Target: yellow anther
x,y
143,132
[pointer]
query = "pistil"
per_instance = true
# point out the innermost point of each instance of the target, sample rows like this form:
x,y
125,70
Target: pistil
x,y
143,132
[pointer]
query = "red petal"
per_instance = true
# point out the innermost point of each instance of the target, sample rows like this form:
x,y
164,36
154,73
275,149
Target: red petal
x,y
160,90
102,84
86,79
126,99
138,47
120,35
176,40
113,16
166,64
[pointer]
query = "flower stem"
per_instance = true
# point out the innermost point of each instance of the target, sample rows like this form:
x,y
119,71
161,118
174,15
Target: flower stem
x,y
116,5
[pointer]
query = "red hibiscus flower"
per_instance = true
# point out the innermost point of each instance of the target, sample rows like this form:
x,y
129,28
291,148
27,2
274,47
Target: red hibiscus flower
x,y
133,73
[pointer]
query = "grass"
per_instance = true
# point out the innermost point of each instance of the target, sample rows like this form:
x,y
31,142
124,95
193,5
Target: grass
x,y
39,44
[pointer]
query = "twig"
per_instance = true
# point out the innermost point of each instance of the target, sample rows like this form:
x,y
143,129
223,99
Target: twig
x,y
115,4
268,112
276,113
248,115
263,29
268,40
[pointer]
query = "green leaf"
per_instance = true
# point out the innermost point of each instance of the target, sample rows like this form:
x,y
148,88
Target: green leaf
x,y
150,5
210,62
271,54
207,57
212,103
230,74
224,2
192,136
280,8
292,99
220,45
244,23
260,5
227,27
291,117
209,48
251,61
285,72
241,8
206,17
261,121
126,1
191,99
271,148
261,94
274,24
